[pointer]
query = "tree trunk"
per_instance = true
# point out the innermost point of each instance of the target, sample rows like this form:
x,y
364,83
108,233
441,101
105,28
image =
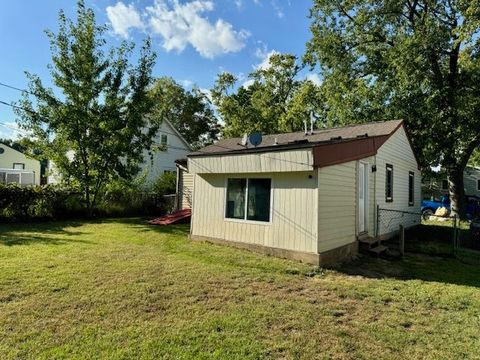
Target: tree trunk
x,y
457,193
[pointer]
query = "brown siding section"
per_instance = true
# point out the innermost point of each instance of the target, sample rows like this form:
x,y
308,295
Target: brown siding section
x,y
341,152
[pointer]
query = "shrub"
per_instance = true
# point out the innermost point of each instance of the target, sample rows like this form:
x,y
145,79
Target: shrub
x,y
166,184
38,202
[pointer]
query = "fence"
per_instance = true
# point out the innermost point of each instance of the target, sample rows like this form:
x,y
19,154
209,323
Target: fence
x,y
427,233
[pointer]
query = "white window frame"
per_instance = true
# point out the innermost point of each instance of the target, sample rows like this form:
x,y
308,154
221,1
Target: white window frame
x,y
225,218
161,139
23,166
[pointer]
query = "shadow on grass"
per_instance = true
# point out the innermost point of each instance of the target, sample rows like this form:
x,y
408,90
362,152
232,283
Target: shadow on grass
x,y
416,267
40,233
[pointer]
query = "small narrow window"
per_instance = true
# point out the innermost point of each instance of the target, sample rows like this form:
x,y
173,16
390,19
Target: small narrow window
x,y
164,140
19,166
411,188
444,185
478,184
389,183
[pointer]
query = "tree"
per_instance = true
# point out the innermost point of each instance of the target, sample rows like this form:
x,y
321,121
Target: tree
x,y
413,59
274,100
14,144
189,111
95,130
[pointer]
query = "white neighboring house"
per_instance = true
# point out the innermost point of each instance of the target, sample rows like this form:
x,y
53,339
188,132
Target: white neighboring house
x,y
168,146
176,147
16,167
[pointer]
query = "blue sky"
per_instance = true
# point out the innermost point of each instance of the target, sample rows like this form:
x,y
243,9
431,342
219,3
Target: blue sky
x,y
194,39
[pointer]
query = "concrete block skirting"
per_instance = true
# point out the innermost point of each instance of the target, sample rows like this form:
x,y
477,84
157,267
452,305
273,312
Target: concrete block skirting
x,y
335,256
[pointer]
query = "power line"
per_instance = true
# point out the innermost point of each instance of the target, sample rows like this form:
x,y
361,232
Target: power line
x,y
15,88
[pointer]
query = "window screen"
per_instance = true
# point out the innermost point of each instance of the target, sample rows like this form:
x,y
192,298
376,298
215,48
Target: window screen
x,y
411,188
389,183
19,166
258,207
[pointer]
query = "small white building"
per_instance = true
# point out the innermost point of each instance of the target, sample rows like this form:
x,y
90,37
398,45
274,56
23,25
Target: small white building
x,y
309,197
16,167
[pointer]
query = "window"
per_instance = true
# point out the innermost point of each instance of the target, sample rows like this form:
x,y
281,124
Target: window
x,y
411,188
478,184
248,199
389,183
18,166
164,140
444,185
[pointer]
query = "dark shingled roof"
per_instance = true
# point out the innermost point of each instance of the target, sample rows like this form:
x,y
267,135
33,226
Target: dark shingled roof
x,y
300,140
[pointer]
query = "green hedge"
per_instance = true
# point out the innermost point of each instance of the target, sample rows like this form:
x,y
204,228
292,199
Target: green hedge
x,y
38,202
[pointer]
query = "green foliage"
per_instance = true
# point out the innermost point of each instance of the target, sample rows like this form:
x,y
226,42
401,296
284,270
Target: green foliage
x,y
190,112
38,202
275,100
416,60
127,198
95,130
166,184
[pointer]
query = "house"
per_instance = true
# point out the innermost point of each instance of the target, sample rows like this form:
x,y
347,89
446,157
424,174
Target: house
x,y
308,197
437,185
168,146
16,167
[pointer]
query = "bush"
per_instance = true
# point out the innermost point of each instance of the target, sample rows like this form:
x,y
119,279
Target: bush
x,y
166,184
38,202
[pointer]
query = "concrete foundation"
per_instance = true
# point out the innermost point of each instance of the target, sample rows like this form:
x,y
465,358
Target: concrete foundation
x,y
331,257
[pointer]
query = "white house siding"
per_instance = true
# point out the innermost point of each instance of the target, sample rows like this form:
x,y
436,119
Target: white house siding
x,y
470,179
397,152
273,161
293,221
11,156
164,161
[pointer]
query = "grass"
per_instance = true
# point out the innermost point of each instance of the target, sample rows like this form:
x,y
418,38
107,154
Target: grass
x,y
120,289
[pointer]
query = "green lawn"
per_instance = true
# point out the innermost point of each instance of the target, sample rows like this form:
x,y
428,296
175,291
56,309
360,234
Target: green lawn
x,y
120,289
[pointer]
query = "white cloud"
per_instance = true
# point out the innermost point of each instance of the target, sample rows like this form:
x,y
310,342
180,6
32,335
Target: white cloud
x,y
123,18
278,9
265,63
246,84
314,78
182,24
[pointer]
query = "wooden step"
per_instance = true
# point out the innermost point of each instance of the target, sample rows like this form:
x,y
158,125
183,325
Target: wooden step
x,y
378,249
367,240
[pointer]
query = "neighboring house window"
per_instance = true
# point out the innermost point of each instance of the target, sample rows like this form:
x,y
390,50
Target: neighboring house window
x,y
389,183
248,199
411,188
168,171
19,166
478,184
444,185
3,178
164,140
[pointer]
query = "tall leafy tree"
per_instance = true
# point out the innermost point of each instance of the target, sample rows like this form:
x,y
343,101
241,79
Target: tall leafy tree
x,y
93,127
190,112
413,59
274,100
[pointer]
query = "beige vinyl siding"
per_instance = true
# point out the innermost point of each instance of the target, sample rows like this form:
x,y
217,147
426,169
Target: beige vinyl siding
x,y
11,156
185,189
337,204
274,161
397,152
293,221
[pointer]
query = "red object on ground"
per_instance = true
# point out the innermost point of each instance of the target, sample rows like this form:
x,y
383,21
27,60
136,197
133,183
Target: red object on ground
x,y
173,218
